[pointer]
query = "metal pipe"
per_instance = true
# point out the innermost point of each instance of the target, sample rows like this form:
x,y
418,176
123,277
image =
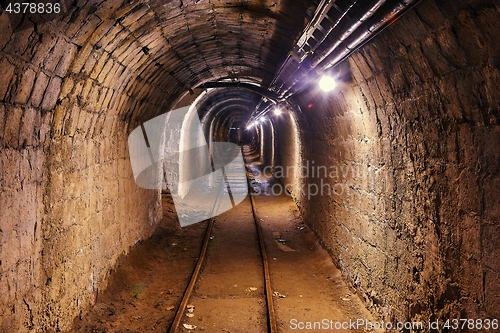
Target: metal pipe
x,y
365,32
298,56
358,20
259,90
296,53
349,31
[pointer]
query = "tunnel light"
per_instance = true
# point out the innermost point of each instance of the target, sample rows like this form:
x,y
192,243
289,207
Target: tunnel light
x,y
277,111
252,125
327,83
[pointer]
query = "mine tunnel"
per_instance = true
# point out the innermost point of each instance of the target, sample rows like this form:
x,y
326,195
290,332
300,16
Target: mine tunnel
x,y
360,148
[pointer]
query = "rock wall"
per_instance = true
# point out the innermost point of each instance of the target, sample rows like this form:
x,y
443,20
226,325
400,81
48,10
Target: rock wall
x,y
411,139
69,206
289,139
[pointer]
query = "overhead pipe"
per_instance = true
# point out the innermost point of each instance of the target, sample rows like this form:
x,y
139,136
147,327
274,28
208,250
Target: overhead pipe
x,y
370,22
297,53
365,32
360,18
257,89
368,30
349,31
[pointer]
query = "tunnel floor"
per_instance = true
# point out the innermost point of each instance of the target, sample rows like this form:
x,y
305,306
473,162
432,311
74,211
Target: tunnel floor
x,y
148,284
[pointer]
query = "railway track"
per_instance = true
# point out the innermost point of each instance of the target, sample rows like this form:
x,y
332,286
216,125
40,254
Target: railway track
x,y
180,314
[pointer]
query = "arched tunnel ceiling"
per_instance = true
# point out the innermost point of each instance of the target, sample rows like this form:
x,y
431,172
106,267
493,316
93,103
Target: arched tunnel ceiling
x,y
195,41
151,47
420,116
216,99
227,107
137,58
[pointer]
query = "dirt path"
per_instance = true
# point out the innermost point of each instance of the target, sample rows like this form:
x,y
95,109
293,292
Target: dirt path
x,y
310,288
147,284
229,295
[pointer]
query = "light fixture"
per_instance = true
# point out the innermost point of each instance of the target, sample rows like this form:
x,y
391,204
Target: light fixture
x,y
327,83
252,124
277,111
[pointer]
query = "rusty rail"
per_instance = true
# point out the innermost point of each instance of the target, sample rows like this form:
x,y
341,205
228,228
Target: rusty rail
x,y
196,272
271,315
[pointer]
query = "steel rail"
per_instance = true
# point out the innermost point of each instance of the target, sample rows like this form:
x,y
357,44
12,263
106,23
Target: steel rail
x,y
194,276
271,314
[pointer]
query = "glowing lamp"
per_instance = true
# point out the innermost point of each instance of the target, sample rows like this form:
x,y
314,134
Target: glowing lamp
x,y
327,83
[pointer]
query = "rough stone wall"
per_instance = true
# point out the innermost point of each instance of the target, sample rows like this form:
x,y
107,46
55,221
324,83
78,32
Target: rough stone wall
x,y
72,86
289,152
414,133
69,206
266,138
